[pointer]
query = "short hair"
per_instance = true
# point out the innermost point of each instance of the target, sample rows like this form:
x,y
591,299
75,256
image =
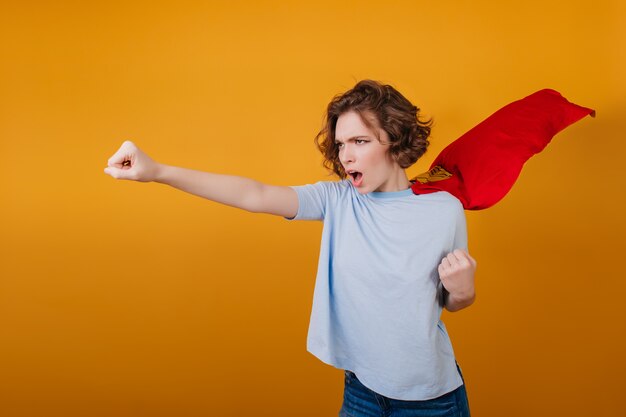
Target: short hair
x,y
408,135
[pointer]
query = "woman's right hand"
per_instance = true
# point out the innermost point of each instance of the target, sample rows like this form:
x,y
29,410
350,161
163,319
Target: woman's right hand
x,y
130,163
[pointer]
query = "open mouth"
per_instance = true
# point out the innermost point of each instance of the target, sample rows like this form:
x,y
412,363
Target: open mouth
x,y
357,177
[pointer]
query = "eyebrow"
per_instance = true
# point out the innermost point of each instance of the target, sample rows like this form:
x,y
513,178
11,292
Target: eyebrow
x,y
349,139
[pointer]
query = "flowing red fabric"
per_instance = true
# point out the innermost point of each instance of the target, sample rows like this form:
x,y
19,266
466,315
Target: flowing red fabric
x,y
486,161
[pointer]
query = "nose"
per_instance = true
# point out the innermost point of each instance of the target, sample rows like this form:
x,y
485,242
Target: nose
x,y
346,154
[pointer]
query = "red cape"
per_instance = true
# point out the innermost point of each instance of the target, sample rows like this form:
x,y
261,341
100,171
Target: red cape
x,y
480,167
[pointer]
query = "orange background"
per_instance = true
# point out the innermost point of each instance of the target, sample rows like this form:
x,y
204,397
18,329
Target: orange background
x,y
120,298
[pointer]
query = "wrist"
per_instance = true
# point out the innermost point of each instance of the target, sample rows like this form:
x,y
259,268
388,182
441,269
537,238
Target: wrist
x,y
462,297
457,301
160,173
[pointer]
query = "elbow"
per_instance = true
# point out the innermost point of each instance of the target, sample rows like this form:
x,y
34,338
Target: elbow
x,y
252,197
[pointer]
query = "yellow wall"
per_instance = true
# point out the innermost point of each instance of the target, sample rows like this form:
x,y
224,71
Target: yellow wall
x,y
126,299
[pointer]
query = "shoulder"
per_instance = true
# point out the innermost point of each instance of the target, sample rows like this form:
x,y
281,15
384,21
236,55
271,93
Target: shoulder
x,y
445,198
453,207
441,204
315,200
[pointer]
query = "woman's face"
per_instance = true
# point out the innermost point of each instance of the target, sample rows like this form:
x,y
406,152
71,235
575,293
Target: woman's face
x,y
368,163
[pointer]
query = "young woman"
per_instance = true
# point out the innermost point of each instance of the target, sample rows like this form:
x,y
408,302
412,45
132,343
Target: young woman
x,y
390,260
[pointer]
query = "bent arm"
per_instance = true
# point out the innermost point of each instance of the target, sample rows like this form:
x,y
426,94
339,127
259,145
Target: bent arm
x,y
235,191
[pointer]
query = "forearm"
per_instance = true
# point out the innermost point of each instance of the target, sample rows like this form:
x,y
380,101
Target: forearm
x,y
454,302
240,192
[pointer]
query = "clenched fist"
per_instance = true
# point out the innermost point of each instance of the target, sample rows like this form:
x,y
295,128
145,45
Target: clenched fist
x,y
130,163
456,272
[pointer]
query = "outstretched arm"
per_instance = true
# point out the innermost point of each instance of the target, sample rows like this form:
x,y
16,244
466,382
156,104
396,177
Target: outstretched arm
x,y
130,163
456,272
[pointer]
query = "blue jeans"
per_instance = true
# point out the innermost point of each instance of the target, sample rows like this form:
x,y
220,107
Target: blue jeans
x,y
360,401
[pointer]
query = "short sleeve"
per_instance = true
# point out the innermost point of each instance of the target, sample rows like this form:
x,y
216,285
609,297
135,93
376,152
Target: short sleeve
x,y
312,200
460,232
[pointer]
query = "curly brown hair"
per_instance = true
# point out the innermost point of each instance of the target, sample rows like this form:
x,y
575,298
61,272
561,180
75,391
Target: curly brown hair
x,y
408,135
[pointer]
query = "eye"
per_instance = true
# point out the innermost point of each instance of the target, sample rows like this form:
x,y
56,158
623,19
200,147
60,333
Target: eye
x,y
339,145
359,141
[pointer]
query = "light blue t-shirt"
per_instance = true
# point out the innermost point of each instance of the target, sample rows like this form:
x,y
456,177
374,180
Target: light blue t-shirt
x,y
378,298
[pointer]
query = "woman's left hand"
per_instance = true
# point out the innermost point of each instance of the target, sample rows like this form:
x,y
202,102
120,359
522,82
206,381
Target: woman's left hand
x,y
456,272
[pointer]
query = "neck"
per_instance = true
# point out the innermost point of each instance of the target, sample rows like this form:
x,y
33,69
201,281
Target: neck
x,y
397,182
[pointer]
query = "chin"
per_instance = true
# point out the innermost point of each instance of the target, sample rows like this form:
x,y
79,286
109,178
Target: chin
x,y
363,190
